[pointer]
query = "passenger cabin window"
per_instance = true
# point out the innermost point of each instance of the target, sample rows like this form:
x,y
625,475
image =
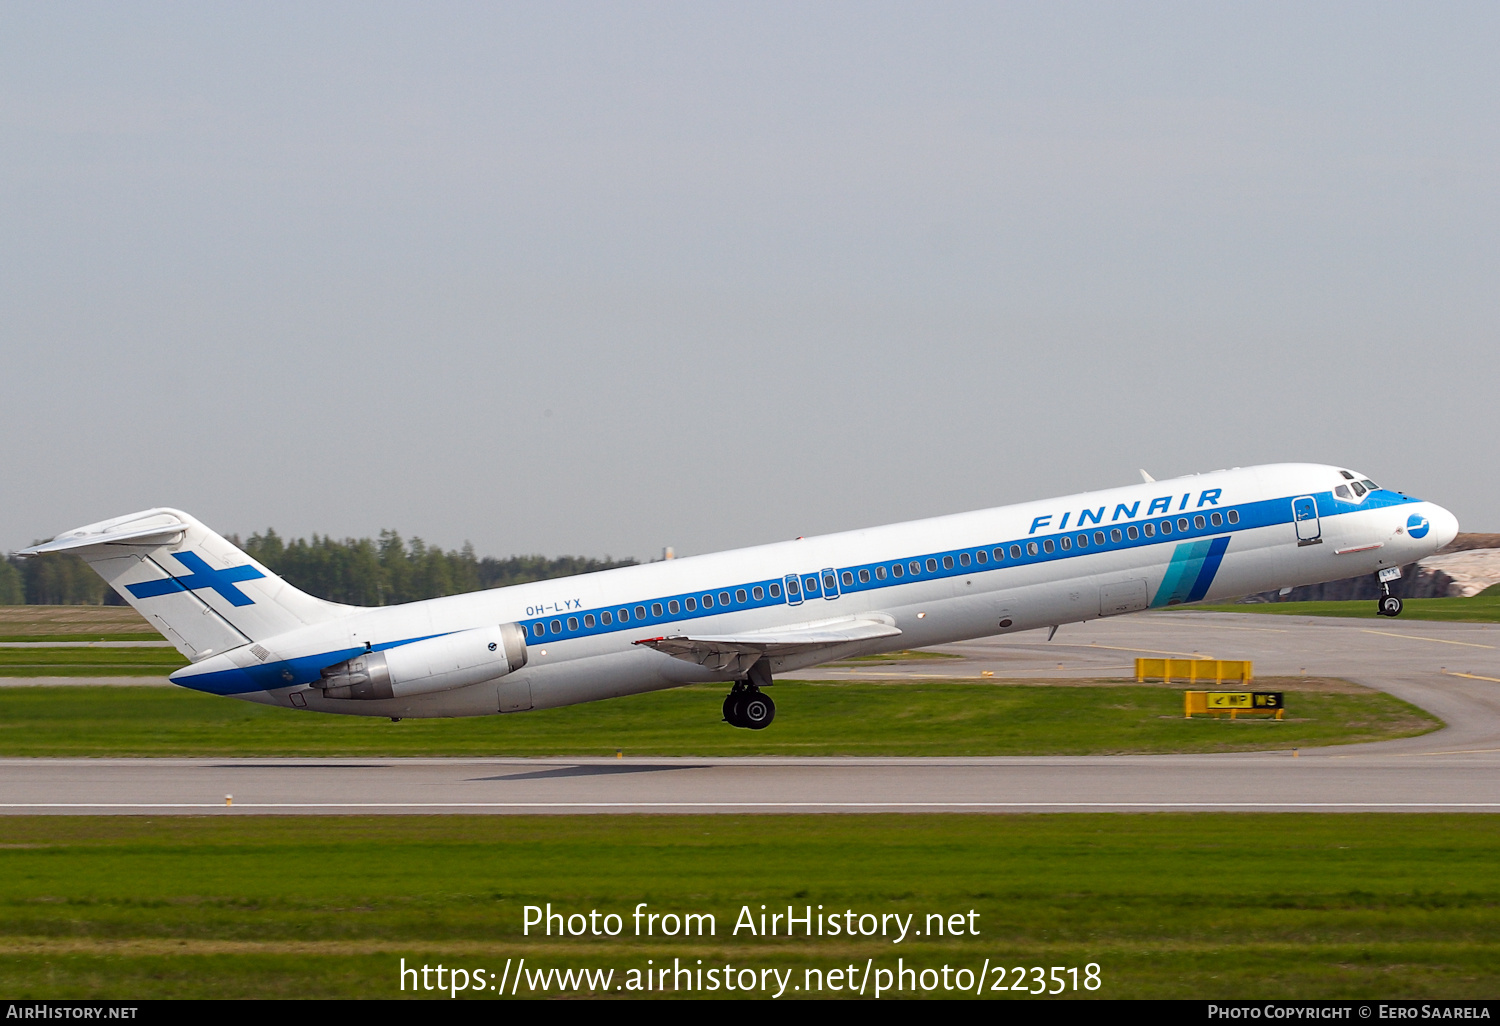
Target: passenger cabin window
x,y
1216,520
692,606
1047,545
775,592
1234,516
1114,534
914,567
724,598
963,559
982,556
932,565
1132,533
1015,552
588,619
656,609
605,618
864,577
708,601
897,570
673,607
880,573
1000,555
1199,522
791,587
947,562
640,612
539,630
1182,523
830,582
1098,537
1065,542
739,594
1166,527
1083,541
809,585
572,623
624,614
1031,549
848,578
1149,530
556,626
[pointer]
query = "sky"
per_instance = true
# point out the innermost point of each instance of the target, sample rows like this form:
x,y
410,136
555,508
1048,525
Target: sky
x,y
600,278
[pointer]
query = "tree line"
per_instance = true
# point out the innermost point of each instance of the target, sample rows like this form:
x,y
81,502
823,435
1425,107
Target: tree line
x,y
360,571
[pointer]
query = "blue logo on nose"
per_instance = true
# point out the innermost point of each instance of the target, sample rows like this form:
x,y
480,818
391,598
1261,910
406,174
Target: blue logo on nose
x,y
1417,525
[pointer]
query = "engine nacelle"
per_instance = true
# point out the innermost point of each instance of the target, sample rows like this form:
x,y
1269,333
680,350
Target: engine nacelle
x,y
436,664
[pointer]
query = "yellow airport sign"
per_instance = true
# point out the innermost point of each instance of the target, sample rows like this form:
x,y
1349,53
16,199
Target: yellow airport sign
x,y
1232,702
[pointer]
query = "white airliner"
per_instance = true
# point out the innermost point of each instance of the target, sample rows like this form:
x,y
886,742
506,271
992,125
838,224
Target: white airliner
x,y
742,616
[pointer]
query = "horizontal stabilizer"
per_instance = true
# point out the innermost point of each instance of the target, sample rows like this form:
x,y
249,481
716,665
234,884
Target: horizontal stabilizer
x,y
203,593
738,652
160,529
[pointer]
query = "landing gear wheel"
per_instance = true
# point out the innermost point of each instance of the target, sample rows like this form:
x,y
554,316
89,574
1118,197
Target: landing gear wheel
x,y
756,710
1390,605
732,704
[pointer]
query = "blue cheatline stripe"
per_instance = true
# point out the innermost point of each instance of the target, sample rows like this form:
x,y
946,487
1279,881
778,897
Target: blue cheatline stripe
x,y
1205,550
1209,569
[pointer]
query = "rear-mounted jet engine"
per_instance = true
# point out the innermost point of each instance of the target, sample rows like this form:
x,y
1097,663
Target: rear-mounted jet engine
x,y
422,667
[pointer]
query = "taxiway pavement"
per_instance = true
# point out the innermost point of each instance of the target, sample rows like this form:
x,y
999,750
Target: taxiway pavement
x,y
1450,669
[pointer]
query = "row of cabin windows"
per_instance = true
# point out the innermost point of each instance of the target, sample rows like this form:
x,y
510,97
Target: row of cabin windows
x,y
1048,545
831,580
607,618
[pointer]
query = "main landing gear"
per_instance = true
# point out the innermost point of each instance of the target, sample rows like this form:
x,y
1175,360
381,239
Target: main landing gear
x,y
746,705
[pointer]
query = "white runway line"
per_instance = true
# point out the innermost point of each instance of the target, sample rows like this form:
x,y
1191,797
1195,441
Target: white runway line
x,y
754,805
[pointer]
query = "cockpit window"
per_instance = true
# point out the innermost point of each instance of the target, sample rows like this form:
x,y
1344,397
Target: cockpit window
x,y
1369,484
1359,489
1347,476
1342,491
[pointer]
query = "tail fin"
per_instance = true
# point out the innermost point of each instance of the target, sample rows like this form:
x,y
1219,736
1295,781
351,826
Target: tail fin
x,y
203,594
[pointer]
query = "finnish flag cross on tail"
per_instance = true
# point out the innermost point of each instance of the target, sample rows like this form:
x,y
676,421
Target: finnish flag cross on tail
x,y
203,593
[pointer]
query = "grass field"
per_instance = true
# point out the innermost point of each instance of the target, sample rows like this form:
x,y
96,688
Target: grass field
x,y
1483,608
1167,905
89,662
933,718
74,623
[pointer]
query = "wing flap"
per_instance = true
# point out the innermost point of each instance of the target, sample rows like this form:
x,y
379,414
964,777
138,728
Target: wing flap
x,y
738,652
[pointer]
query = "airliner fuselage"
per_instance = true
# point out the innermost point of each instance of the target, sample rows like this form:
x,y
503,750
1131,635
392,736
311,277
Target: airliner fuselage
x,y
744,615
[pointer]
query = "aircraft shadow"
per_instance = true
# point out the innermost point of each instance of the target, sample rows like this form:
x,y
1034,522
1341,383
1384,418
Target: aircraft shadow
x,y
592,771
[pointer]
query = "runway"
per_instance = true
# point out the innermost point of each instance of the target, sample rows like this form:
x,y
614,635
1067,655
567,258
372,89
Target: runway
x,y
1452,670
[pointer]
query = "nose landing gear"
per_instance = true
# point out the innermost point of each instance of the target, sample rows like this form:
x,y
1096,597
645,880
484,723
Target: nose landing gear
x,y
1388,604
746,705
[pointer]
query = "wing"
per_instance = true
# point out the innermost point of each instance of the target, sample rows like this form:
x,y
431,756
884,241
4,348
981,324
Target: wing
x,y
810,643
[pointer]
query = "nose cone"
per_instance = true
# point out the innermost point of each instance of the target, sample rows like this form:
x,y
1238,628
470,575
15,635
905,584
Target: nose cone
x,y
1430,525
1443,525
